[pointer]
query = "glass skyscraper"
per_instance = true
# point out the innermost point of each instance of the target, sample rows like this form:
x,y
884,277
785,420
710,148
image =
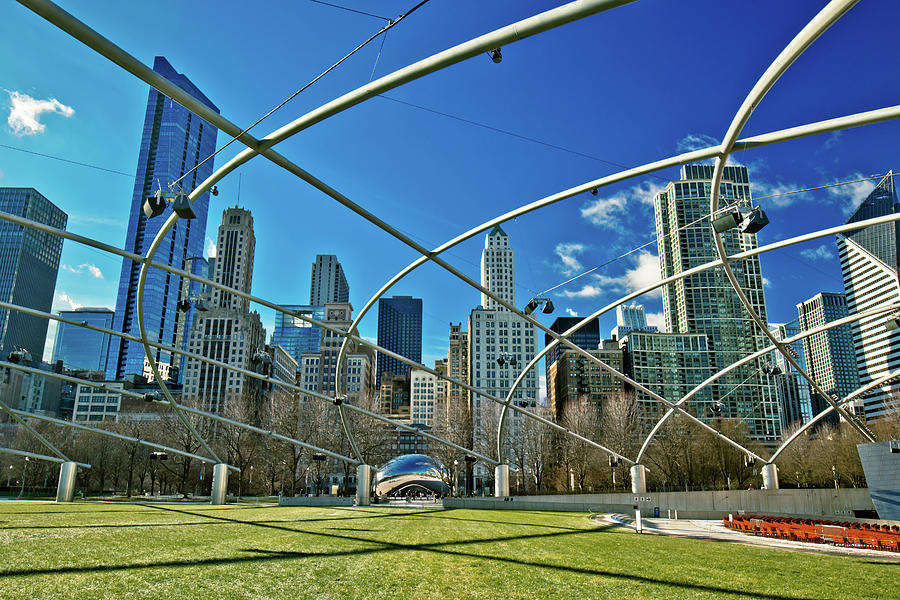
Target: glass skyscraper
x,y
80,348
706,303
29,263
296,335
173,142
400,331
869,266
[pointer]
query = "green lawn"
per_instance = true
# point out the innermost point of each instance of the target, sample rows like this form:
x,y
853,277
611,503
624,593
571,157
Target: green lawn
x,y
114,550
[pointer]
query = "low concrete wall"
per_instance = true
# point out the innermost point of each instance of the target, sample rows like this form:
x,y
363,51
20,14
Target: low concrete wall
x,y
818,503
314,501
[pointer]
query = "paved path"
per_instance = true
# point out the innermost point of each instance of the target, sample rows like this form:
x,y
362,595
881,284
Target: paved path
x,y
716,530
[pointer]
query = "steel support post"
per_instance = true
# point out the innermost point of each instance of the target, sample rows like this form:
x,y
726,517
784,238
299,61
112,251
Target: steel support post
x,y
501,481
219,484
363,485
639,479
770,476
65,490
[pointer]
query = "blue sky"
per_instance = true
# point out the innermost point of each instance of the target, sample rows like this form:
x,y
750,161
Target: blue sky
x,y
625,87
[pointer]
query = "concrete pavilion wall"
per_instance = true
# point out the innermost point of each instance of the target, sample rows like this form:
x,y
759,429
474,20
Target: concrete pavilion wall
x,y
315,501
809,503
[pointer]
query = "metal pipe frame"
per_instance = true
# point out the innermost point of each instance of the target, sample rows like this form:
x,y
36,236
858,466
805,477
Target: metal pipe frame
x,y
528,27
195,411
47,443
833,11
113,434
39,456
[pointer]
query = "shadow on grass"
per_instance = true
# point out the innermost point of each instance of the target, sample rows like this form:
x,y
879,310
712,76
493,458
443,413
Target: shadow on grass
x,y
447,548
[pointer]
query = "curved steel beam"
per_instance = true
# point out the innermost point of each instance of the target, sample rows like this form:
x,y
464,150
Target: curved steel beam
x,y
758,354
126,438
40,456
828,409
815,28
47,443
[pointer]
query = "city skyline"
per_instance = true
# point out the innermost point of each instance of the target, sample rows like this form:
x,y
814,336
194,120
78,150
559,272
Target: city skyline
x,y
563,240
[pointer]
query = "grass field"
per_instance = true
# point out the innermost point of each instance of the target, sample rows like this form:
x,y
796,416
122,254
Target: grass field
x,y
99,550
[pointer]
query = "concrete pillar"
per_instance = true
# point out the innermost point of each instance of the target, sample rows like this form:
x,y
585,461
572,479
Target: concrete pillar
x,y
363,485
501,481
770,476
219,484
65,490
638,479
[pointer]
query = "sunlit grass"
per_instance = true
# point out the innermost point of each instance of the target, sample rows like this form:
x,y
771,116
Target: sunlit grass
x,y
114,550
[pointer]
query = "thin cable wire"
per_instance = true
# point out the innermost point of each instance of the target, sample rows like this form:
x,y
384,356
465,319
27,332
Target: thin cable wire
x,y
305,87
683,227
378,56
510,133
66,160
347,8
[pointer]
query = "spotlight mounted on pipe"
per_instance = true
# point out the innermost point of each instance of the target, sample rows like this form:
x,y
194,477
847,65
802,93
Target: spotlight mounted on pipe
x,y
496,55
535,302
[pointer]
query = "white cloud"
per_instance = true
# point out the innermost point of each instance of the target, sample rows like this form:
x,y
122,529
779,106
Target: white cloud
x,y
834,139
25,111
641,275
63,301
94,270
567,253
210,249
603,212
571,312
820,253
658,319
848,197
775,194
695,141
766,282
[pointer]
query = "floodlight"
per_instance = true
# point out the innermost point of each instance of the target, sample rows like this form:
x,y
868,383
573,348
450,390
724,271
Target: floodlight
x,y
159,456
614,461
754,221
214,191
182,206
892,323
501,361
548,307
532,304
770,369
19,355
318,457
183,305
727,220
470,459
496,56
513,361
154,205
200,304
595,191
749,461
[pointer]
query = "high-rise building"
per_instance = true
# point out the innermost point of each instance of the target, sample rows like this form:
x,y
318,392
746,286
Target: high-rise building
x,y
829,356
869,263
457,363
227,331
29,263
630,318
422,397
81,348
501,343
328,283
705,303
498,269
573,376
296,335
317,369
395,396
792,390
174,141
670,364
400,331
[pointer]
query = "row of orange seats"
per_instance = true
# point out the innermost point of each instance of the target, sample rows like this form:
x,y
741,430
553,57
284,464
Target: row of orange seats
x,y
840,533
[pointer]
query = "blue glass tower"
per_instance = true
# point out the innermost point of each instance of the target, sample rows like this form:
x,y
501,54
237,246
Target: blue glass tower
x,y
400,331
80,348
173,142
29,263
295,335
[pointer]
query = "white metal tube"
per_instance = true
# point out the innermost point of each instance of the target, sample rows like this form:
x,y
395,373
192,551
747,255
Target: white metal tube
x,y
40,456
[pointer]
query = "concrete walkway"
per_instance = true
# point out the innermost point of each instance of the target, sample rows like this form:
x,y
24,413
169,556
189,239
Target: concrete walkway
x,y
716,530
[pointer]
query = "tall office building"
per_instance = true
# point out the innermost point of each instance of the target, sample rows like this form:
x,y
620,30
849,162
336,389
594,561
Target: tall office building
x,y
829,356
630,318
498,269
80,348
29,263
228,331
328,283
792,390
422,397
457,363
496,333
869,263
174,141
400,331
296,335
705,303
